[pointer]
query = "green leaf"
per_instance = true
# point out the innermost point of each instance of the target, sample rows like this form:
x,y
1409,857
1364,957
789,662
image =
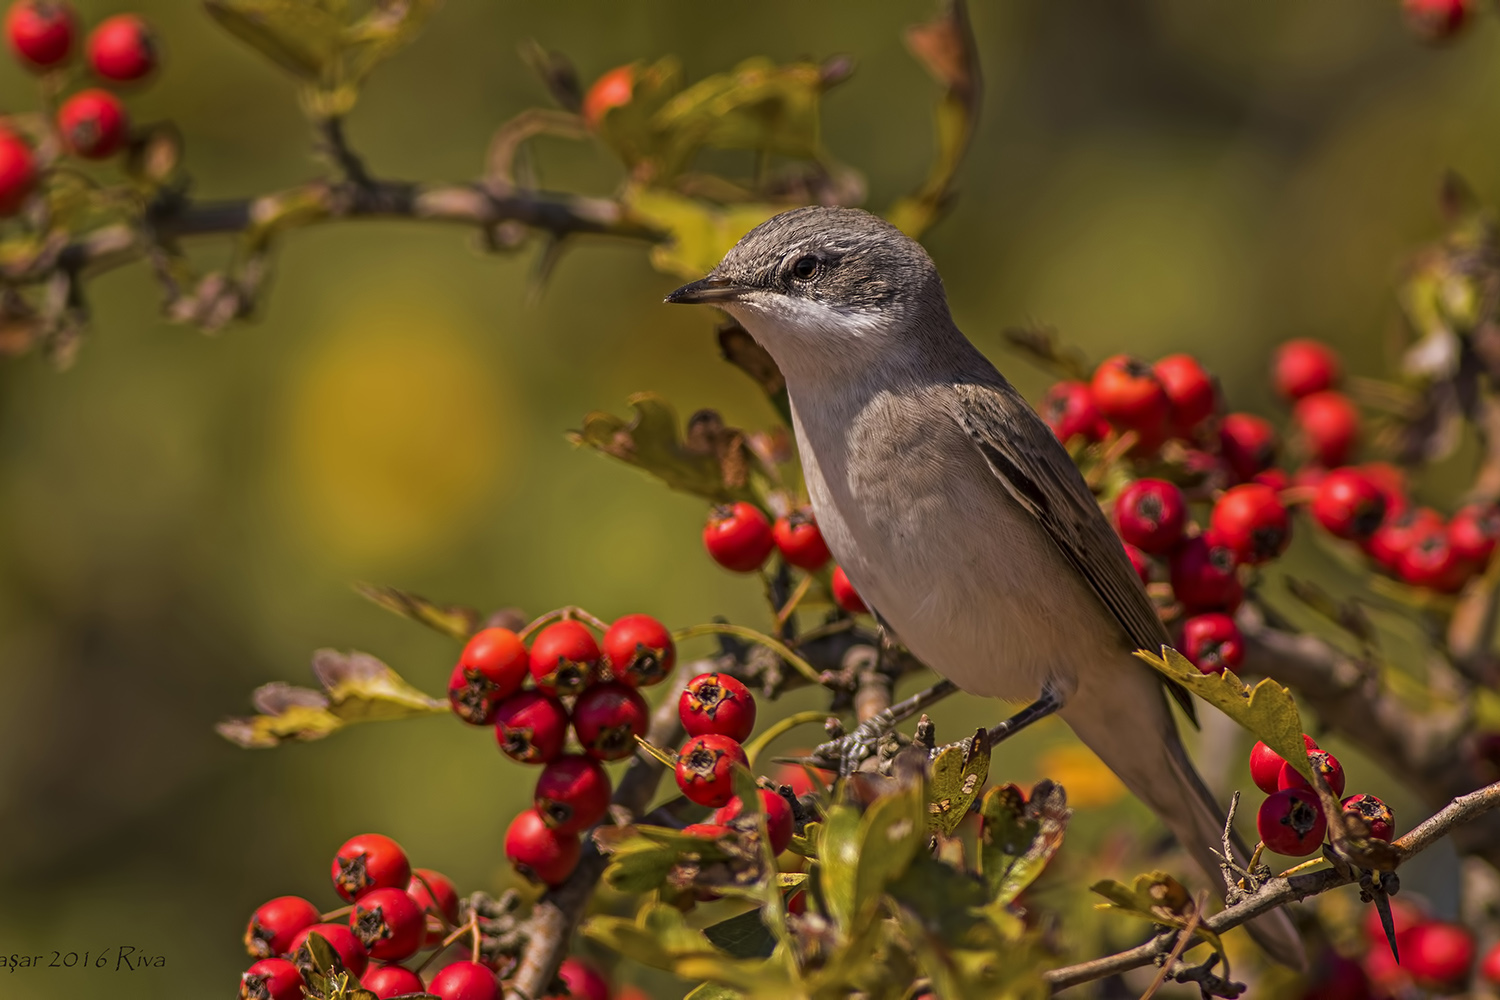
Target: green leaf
x,y
385,30
891,832
838,856
450,619
642,858
713,991
958,776
302,38
1018,837
1157,897
744,936
994,960
660,937
701,232
1267,710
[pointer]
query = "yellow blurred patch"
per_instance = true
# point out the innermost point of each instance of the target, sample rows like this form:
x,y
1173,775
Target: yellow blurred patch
x,y
393,432
1083,776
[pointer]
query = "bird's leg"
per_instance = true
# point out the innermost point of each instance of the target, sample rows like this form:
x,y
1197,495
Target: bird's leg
x,y
1046,705
844,753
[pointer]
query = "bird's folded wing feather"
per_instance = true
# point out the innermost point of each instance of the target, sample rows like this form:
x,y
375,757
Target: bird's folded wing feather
x,y
1037,472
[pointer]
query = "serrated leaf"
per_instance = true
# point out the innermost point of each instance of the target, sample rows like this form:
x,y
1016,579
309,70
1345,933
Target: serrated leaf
x,y
1267,710
450,619
1018,837
660,937
642,857
701,232
299,37
1157,897
957,778
743,936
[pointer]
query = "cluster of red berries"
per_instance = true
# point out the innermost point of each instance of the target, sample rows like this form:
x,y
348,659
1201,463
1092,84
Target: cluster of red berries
x,y
92,123
1291,820
533,697
741,538
396,912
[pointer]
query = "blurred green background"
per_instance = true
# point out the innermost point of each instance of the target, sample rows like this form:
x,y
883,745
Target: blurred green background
x,y
181,516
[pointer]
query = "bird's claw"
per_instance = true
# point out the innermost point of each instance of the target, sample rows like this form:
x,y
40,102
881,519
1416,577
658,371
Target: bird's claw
x,y
846,753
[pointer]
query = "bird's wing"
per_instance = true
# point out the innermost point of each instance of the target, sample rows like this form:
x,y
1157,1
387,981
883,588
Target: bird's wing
x,y
1040,476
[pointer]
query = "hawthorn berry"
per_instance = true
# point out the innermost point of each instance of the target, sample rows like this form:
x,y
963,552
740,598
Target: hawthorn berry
x,y
464,981
1323,763
717,703
844,594
531,727
1248,444
779,825
584,982
1489,968
738,537
1473,532
1068,408
369,861
1150,514
1213,643
608,717
274,924
1375,813
93,124
1391,482
1348,505
1329,424
434,893
493,665
572,793
1438,955
1130,396
705,768
709,831
40,32
1398,533
1266,765
1436,20
343,941
540,852
564,658
612,90
1202,571
1291,822
1275,478
1429,561
1253,522
1191,394
271,979
1335,977
386,981
800,541
123,48
639,650
389,923
17,173
1140,562
1303,367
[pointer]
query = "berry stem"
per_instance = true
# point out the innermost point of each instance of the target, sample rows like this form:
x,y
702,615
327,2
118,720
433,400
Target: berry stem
x,y
333,915
781,727
569,612
793,601
780,649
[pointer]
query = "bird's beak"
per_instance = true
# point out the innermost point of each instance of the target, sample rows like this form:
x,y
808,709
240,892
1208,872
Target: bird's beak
x,y
710,289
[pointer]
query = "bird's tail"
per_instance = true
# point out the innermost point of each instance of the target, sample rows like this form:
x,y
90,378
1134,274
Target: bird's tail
x,y
1153,764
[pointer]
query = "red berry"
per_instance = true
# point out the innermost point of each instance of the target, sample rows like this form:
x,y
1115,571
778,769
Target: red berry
x,y
1248,444
1335,977
1391,482
464,981
639,650
1348,505
1291,822
271,979
1202,571
800,541
1276,479
122,48
1489,968
93,124
1303,367
1190,391
1131,397
1253,522
1323,763
717,703
1473,532
17,173
40,32
1068,408
738,537
274,924
1330,426
1266,765
1376,814
583,980
369,861
572,793
844,594
612,90
492,666
538,851
705,768
709,831
778,817
1429,561
1213,642
1438,955
564,658
389,923
531,727
608,717
434,893
1436,20
1140,562
348,947
1398,533
1150,514
386,981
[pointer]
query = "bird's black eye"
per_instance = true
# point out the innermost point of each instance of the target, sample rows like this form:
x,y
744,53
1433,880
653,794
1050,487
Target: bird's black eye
x,y
806,268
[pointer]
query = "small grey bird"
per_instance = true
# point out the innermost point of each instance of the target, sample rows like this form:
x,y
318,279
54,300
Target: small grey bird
x,y
957,515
